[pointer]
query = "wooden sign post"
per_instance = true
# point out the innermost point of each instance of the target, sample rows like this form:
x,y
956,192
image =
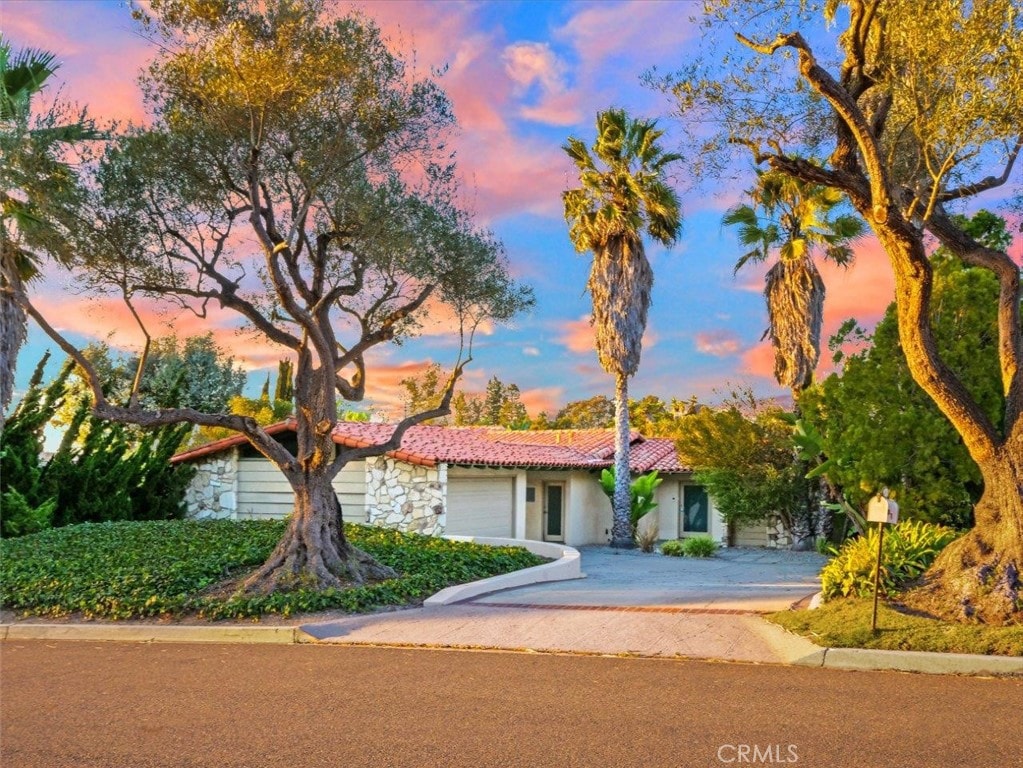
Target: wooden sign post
x,y
880,510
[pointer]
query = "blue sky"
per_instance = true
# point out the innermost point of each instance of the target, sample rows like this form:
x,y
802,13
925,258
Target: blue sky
x,y
522,76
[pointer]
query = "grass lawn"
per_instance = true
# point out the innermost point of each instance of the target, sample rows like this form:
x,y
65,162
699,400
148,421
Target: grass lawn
x,y
845,623
133,570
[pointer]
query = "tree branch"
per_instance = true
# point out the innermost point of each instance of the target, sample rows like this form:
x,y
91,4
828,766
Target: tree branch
x,y
848,112
104,409
394,442
386,330
991,182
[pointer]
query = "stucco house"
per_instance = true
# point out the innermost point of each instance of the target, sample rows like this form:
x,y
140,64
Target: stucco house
x,y
483,481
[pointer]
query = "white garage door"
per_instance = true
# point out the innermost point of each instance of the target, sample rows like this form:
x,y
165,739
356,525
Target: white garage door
x,y
480,506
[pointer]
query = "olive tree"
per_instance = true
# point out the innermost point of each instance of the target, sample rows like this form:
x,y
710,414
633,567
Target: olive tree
x,y
919,114
294,175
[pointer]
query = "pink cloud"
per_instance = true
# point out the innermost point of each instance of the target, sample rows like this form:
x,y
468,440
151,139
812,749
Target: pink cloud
x,y
444,38
636,29
542,399
99,57
505,173
577,335
557,109
717,343
440,319
863,290
108,319
527,63
758,360
501,172
531,64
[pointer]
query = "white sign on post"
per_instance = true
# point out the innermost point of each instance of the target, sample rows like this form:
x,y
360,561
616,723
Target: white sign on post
x,y
881,509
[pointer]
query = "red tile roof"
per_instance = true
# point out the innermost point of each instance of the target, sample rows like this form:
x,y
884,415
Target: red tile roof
x,y
492,447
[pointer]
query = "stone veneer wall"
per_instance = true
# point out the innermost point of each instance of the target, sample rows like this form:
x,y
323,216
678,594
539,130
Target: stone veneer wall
x,y
406,496
777,536
213,492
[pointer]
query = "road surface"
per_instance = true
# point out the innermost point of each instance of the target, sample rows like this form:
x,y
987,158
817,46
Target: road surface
x,y
147,705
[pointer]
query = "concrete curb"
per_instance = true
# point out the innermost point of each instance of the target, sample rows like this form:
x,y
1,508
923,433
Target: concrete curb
x,y
567,566
914,661
154,633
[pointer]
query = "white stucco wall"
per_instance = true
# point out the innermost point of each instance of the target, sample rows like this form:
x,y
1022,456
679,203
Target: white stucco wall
x,y
590,511
668,496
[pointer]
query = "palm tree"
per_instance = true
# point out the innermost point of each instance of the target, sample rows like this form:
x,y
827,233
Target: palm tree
x,y
33,176
622,193
793,219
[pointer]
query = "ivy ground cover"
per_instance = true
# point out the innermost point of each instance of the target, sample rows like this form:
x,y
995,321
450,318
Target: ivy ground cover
x,y
132,570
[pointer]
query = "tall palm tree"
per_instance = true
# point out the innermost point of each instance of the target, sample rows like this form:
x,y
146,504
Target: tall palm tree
x,y
622,194
32,176
794,220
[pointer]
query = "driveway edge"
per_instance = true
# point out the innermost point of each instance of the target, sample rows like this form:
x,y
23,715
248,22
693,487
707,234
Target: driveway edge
x,y
565,567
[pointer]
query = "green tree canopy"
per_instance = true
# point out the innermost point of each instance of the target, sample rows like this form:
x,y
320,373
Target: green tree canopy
x,y
881,429
917,116
295,176
194,372
742,453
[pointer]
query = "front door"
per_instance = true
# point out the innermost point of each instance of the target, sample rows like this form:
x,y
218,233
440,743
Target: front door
x,y
554,512
694,513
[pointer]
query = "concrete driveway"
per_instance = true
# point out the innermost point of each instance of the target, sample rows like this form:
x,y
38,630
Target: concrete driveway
x,y
748,580
629,602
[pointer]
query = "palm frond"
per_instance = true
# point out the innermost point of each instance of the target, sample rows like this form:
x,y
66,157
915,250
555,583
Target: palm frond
x,y
69,134
750,257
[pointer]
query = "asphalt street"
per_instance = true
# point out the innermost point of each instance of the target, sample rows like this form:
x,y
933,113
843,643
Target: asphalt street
x,y
142,705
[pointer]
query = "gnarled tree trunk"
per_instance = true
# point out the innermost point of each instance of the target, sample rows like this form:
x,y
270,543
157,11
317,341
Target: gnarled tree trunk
x,y
978,576
314,552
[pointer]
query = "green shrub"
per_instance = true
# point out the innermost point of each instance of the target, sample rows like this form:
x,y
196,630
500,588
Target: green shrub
x,y
699,546
18,517
694,546
672,547
123,570
909,549
100,471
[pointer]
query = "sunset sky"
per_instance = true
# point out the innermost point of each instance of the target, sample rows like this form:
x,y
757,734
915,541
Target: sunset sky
x,y
522,77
